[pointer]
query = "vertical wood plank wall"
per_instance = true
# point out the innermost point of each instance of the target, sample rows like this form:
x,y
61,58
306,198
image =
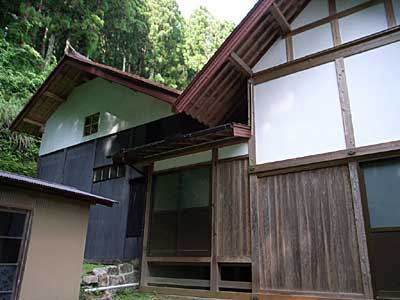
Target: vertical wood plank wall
x,y
307,233
233,209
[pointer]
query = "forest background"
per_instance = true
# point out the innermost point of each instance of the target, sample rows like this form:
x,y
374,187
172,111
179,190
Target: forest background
x,y
149,38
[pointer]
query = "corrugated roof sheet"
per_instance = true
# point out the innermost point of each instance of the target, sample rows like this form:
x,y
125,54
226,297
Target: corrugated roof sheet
x,y
52,188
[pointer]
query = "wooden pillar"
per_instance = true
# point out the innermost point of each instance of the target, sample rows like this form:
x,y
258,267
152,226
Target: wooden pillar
x,y
215,274
144,271
360,229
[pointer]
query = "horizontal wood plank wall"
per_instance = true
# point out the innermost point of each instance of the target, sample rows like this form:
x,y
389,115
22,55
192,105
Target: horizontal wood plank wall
x,y
308,239
233,209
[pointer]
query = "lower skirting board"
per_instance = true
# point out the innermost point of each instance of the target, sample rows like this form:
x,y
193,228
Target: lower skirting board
x,y
264,295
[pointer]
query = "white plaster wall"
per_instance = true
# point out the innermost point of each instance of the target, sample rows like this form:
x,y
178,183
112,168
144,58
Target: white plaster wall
x,y
346,4
233,151
373,82
275,56
314,11
120,108
396,6
181,161
298,115
312,41
363,23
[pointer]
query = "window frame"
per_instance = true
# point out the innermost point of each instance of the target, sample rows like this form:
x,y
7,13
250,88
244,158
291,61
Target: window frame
x,y
120,172
21,260
91,122
180,252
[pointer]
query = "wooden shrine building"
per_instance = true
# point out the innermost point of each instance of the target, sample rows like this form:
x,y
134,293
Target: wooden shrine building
x,y
274,175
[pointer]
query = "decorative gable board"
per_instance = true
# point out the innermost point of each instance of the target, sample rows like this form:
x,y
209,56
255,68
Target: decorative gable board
x,y
120,108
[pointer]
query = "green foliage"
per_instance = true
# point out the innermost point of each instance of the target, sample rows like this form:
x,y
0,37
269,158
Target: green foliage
x,y
146,37
20,75
203,36
88,267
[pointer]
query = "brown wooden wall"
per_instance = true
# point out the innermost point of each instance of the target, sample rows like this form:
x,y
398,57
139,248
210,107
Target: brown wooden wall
x,y
307,232
233,214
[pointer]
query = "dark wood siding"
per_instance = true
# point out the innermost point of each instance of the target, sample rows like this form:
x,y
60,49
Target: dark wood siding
x,y
233,209
307,232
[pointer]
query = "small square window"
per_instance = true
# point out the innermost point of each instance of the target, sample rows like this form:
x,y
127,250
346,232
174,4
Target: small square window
x,y
91,124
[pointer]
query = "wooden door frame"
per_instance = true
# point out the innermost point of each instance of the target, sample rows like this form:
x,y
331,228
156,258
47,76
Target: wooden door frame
x,y
366,215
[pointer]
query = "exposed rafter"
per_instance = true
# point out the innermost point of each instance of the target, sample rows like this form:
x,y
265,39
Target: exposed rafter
x,y
280,18
54,96
241,65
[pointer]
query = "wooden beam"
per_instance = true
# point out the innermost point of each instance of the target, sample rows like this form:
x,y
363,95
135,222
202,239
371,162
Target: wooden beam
x,y
234,259
54,96
179,282
345,103
144,270
35,123
179,259
345,50
390,15
360,229
235,285
280,18
214,268
327,159
241,65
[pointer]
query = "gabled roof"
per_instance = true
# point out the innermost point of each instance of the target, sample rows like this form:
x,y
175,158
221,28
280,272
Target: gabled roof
x,y
28,183
73,70
219,91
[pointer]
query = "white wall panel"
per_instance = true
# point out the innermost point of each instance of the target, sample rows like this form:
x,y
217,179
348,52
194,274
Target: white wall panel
x,y
396,5
275,56
120,108
233,151
363,23
181,161
373,81
315,10
345,4
298,115
312,41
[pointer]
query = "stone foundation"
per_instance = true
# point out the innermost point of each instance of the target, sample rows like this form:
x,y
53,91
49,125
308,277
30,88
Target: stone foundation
x,y
112,275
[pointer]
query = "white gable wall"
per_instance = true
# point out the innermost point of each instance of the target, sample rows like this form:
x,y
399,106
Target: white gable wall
x,y
275,56
373,83
298,115
120,108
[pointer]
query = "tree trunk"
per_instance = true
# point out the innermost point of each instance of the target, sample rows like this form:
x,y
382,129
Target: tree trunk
x,y
43,51
50,49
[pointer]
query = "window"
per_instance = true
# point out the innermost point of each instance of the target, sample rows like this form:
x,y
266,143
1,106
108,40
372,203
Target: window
x,y
136,207
91,124
382,185
108,172
180,221
12,237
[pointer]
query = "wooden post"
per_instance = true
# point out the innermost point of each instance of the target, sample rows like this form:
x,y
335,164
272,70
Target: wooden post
x,y
215,275
360,228
144,272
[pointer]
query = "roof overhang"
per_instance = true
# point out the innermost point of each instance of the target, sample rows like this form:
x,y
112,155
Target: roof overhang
x,y
218,94
33,184
70,72
183,144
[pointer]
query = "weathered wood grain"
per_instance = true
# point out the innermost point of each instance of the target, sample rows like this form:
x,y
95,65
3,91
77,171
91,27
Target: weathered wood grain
x,y
307,233
233,209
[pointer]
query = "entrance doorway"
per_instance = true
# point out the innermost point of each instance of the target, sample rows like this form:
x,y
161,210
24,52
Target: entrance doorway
x,y
381,181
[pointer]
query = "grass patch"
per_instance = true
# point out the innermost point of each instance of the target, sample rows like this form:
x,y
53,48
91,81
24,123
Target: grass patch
x,y
128,294
88,267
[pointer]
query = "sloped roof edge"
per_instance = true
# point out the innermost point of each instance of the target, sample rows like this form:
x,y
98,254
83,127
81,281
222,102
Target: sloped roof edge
x,y
222,54
79,62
